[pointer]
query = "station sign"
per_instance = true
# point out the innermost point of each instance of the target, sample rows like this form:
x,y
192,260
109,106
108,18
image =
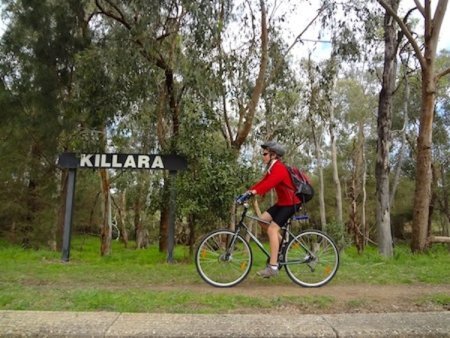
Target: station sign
x,y
122,161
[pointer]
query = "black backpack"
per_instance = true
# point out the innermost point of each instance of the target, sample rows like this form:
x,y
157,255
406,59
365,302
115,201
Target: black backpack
x,y
302,184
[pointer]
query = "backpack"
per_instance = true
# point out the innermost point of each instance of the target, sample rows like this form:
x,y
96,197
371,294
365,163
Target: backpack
x,y
302,184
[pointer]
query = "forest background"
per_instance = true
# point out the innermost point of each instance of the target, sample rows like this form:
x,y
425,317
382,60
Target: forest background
x,y
211,80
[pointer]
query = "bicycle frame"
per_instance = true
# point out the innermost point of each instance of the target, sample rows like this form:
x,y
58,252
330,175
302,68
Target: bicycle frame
x,y
281,251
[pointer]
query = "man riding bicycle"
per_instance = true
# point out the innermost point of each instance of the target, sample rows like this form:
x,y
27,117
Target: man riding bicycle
x,y
277,177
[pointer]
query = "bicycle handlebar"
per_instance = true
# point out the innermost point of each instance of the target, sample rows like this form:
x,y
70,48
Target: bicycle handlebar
x,y
244,197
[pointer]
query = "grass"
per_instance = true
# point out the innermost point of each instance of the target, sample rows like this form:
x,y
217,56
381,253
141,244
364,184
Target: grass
x,y
438,299
141,281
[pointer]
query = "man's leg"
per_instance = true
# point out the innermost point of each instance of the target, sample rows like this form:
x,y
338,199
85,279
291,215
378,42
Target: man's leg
x,y
273,231
266,217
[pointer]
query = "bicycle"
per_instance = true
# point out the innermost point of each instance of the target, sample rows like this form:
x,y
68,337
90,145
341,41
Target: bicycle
x,y
224,258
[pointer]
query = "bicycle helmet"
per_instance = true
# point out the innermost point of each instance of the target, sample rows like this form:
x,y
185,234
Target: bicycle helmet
x,y
275,147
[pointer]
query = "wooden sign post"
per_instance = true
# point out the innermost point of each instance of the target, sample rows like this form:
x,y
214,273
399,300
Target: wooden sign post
x,y
72,162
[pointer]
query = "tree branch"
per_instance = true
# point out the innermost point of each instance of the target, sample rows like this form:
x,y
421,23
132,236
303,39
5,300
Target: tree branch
x,y
442,74
420,7
319,11
119,18
439,16
406,31
249,111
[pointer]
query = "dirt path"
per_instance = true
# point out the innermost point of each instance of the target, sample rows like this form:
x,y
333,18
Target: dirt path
x,y
339,298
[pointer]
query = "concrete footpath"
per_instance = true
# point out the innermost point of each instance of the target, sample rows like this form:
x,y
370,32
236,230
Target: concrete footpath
x,y
110,324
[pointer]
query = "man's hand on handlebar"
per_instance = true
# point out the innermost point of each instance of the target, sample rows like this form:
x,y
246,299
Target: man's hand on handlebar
x,y
244,197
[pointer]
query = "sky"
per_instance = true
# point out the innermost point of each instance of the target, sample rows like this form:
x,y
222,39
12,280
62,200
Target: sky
x,y
302,15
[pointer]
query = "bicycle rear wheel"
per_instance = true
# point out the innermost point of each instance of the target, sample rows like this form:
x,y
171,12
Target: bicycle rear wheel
x,y
312,259
223,259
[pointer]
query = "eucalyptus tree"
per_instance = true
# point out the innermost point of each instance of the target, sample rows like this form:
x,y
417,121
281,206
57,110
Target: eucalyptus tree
x,y
38,51
161,32
442,147
355,106
243,69
350,25
430,77
439,206
313,100
106,86
384,123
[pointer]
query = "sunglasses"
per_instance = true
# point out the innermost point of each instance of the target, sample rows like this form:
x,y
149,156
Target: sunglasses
x,y
264,154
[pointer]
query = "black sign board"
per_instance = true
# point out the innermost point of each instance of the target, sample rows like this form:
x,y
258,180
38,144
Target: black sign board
x,y
122,161
73,161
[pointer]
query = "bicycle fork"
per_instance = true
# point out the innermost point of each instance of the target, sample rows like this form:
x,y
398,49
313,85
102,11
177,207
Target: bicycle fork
x,y
227,256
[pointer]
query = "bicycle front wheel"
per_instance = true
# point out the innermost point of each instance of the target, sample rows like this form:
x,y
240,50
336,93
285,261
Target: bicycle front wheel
x,y
312,259
223,258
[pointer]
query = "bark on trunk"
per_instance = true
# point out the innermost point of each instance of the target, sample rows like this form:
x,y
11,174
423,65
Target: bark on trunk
x,y
317,147
365,229
354,223
384,122
422,195
445,202
432,27
192,233
399,162
142,236
106,229
337,182
122,210
164,228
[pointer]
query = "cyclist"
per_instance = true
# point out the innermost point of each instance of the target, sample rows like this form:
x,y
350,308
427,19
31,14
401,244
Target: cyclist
x,y
277,177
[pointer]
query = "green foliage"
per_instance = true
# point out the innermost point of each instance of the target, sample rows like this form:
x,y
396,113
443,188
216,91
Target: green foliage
x,y
339,234
214,176
36,60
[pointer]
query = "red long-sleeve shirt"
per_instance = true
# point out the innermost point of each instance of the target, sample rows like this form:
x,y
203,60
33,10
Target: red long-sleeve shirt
x,y
279,178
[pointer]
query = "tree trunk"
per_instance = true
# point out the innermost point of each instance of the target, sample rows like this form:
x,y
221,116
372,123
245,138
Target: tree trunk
x,y
439,239
433,200
384,122
164,228
354,223
106,228
192,233
318,150
445,201
355,190
422,195
248,111
32,198
365,229
122,211
337,182
432,27
399,162
142,237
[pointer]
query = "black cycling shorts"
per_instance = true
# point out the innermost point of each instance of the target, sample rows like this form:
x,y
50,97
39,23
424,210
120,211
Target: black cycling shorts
x,y
281,214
